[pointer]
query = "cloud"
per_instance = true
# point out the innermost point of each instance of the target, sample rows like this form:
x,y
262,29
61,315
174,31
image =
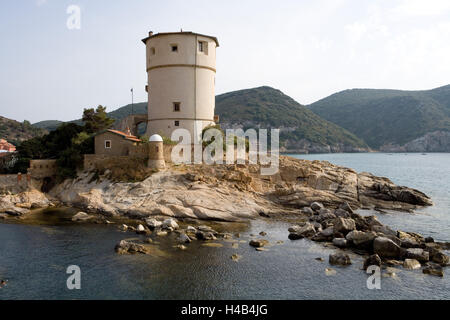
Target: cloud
x,y
415,8
373,25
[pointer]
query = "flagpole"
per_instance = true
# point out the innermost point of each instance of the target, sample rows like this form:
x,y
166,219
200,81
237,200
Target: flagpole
x,y
132,100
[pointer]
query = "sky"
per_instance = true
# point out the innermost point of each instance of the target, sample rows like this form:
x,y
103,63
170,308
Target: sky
x,y
307,49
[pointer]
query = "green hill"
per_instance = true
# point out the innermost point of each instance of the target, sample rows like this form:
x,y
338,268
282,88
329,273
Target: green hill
x,y
16,132
300,129
117,114
389,117
49,125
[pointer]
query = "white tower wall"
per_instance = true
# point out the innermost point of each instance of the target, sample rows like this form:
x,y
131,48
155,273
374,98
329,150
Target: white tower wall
x,y
185,77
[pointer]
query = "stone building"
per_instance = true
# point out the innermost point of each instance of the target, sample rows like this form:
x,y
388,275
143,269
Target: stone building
x,y
115,143
181,69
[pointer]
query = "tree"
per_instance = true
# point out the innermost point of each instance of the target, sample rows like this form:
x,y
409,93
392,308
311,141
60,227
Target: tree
x,y
96,120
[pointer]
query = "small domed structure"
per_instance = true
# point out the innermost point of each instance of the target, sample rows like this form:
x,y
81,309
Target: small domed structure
x,y
156,152
156,138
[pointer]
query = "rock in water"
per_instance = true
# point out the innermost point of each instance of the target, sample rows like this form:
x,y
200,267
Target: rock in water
x,y
361,240
340,242
81,216
344,226
330,272
258,243
373,260
386,248
183,238
127,247
441,259
411,264
434,270
205,235
140,229
341,259
236,257
170,223
153,223
299,232
418,254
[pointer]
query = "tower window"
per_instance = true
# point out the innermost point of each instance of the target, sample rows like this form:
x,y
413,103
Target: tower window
x,y
174,47
107,144
177,123
203,47
176,106
152,50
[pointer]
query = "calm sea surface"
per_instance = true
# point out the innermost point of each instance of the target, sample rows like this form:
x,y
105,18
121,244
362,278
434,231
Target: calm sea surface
x,y
34,258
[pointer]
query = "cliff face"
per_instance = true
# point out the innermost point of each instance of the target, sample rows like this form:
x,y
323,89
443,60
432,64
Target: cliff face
x,y
438,141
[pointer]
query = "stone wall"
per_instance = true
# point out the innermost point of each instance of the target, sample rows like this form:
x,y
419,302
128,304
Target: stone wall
x,y
14,183
91,161
40,169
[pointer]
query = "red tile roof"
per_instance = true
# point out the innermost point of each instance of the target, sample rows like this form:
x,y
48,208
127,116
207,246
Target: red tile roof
x,y
6,146
126,136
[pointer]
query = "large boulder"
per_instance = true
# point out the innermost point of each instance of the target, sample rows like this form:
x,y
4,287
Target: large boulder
x,y
170,223
299,232
346,206
205,235
259,243
341,213
434,270
183,238
441,258
361,239
128,247
340,242
308,211
373,260
341,259
386,248
316,206
411,264
324,215
385,230
344,226
324,235
152,223
81,216
418,254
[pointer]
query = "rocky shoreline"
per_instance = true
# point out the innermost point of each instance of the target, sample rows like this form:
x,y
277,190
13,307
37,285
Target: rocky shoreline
x,y
318,195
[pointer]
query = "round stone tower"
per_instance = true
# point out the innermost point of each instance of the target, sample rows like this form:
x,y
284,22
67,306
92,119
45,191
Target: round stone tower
x,y
156,152
181,68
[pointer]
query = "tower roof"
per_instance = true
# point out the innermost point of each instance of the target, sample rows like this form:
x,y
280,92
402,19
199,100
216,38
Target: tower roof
x,y
181,32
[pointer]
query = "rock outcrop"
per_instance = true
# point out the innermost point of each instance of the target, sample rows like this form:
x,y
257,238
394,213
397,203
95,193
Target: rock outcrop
x,y
234,192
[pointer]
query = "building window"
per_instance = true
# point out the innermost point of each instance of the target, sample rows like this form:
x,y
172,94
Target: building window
x,y
174,47
203,47
152,50
107,144
177,123
176,106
